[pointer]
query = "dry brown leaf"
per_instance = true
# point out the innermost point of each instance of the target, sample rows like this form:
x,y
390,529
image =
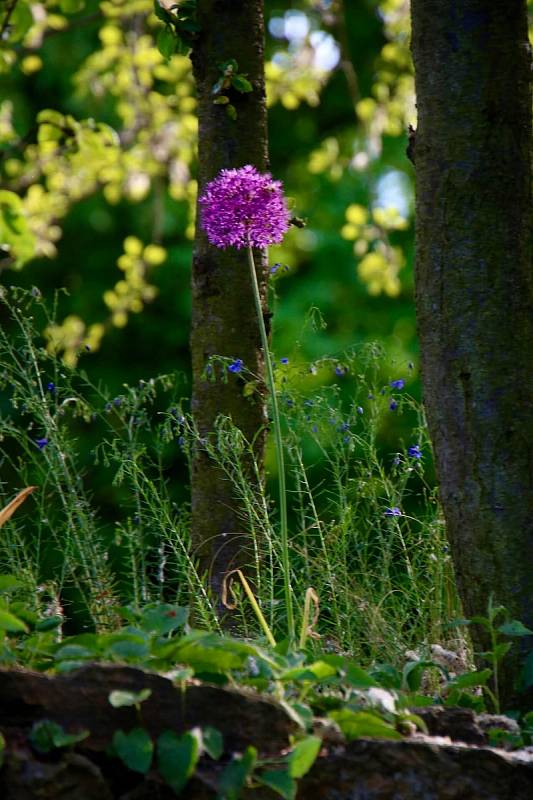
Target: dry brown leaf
x,y
11,507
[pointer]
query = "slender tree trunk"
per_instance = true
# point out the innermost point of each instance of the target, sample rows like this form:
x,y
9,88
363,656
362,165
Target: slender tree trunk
x,y
223,313
474,289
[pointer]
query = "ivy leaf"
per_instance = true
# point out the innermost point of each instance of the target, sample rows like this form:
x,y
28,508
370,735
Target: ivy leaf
x,y
213,742
234,776
9,622
135,749
515,628
280,782
471,679
46,735
166,42
355,724
164,618
241,84
119,699
177,756
303,756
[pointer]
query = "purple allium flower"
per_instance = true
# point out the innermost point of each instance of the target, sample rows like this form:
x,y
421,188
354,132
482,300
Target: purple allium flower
x,y
414,451
235,366
393,512
41,443
243,207
397,384
393,405
284,360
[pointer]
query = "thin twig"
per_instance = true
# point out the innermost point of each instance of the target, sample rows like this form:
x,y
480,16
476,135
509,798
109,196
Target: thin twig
x,y
7,17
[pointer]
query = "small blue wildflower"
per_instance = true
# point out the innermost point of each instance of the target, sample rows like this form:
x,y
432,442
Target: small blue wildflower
x,y
396,460
289,402
393,405
136,519
209,369
360,410
346,439
344,427
315,428
275,268
397,384
370,396
340,371
235,366
181,441
50,387
117,402
35,292
41,443
393,512
108,407
284,360
414,451
308,403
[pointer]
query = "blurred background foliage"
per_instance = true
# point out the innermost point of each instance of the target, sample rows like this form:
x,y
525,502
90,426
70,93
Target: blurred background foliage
x,y
98,149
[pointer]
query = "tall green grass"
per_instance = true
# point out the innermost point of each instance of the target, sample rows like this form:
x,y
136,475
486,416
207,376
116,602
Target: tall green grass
x,y
384,583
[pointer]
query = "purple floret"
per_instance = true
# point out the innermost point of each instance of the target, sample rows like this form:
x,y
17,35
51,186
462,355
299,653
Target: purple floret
x,y
243,207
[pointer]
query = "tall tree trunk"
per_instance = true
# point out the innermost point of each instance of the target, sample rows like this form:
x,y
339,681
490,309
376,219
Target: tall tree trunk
x,y
474,289
223,313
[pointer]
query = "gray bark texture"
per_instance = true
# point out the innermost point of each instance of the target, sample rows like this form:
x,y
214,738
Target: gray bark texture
x,y
223,313
474,290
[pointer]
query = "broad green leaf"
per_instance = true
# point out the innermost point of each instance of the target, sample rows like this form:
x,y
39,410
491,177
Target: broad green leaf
x,y
221,100
46,735
49,624
213,742
15,236
234,776
280,782
231,111
359,677
471,679
9,622
135,749
303,756
515,628
71,6
73,651
20,21
69,665
166,42
8,583
355,724
241,84
177,756
119,699
164,618
317,671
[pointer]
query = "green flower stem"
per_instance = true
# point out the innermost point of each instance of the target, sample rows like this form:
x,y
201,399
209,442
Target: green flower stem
x,y
279,451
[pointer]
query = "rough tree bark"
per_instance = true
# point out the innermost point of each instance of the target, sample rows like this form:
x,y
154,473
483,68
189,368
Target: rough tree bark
x,y
223,312
474,289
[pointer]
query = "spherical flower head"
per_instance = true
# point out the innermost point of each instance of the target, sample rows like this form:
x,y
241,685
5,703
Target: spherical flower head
x,y
242,207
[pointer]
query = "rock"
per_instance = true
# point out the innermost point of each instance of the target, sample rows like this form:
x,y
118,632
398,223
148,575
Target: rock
x,y
71,777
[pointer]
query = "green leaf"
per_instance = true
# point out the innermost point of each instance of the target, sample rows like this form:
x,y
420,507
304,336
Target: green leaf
x,y
135,749
71,6
241,84
471,679
2,749
20,22
213,742
228,66
355,724
280,782
164,618
231,111
8,583
501,650
49,624
9,622
119,699
515,628
177,756
73,651
317,671
413,672
303,756
221,100
234,776
46,735
166,42
359,677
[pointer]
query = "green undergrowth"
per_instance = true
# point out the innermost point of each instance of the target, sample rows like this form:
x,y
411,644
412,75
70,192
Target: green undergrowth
x,y
381,701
